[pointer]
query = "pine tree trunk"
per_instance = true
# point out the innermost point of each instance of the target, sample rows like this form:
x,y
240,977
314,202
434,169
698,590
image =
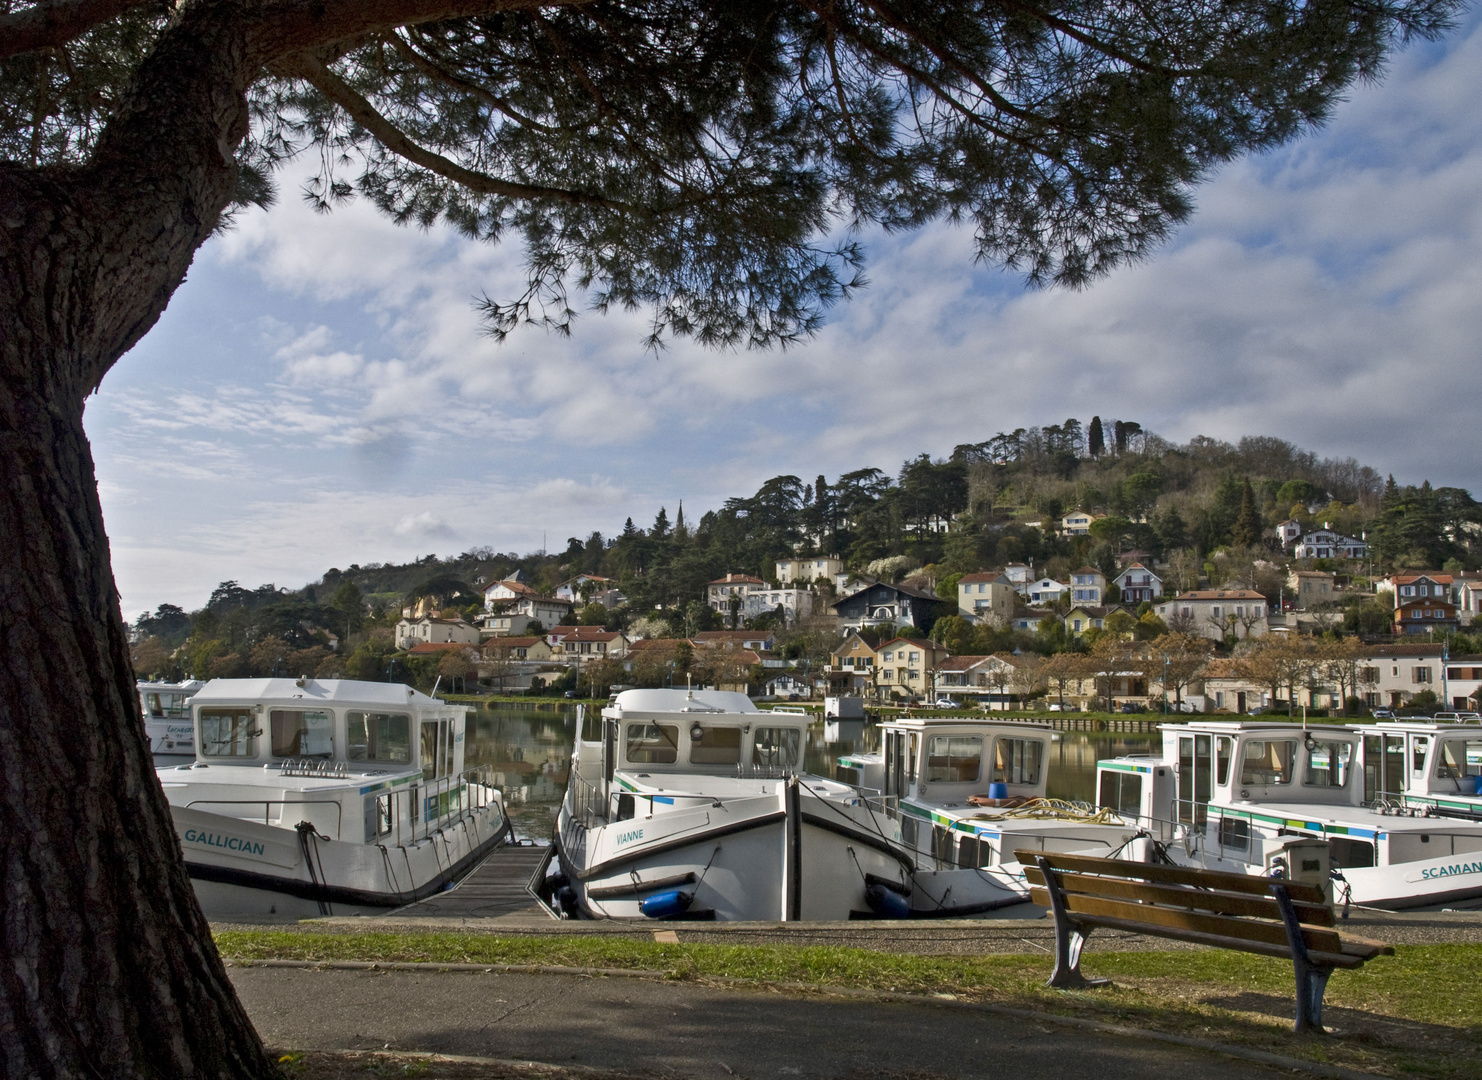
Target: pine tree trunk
x,y
107,968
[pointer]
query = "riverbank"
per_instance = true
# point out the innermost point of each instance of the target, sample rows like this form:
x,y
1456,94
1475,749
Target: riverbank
x,y
1418,1013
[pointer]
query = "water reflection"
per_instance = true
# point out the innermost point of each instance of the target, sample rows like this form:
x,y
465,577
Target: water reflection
x,y
528,747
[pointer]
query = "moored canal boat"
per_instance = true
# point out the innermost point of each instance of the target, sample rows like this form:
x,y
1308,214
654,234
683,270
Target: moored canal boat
x,y
312,796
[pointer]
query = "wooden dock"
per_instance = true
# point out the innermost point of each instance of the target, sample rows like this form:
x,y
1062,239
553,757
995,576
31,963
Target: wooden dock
x,y
496,887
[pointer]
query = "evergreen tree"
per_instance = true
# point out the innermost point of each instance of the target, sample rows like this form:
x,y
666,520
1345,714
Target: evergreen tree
x,y
1095,442
1246,532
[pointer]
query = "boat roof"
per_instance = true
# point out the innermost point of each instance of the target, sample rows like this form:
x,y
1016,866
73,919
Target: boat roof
x,y
186,687
927,723
1240,727
339,692
1428,727
684,701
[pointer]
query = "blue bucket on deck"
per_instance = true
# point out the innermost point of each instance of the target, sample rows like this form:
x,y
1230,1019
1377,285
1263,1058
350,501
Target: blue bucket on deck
x,y
1477,785
661,905
998,790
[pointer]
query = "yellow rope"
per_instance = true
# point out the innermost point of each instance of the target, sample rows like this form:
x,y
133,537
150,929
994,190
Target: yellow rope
x,y
1053,809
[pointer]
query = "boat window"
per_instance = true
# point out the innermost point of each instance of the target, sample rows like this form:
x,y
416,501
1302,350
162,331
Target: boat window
x,y
652,744
229,732
302,733
1418,746
437,749
968,855
718,746
954,759
1121,792
1346,853
1234,833
780,746
1328,764
1017,761
1224,750
156,707
911,762
1267,761
1458,758
591,725
1384,766
383,737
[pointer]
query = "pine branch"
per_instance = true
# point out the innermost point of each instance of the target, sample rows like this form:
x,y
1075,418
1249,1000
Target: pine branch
x,y
314,71
51,23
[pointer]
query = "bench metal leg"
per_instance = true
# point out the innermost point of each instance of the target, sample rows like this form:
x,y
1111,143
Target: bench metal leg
x,y
1069,940
1312,980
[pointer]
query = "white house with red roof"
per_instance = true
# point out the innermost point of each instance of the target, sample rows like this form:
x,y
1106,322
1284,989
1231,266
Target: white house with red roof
x,y
582,644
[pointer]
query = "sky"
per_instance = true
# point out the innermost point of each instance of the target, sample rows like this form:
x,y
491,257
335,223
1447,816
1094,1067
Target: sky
x,y
320,391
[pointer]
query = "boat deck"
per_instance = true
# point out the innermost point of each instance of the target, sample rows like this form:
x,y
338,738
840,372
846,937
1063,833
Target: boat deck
x,y
495,887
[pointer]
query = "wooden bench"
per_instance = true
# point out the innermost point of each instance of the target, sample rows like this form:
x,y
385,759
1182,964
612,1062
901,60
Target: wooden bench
x,y
1268,916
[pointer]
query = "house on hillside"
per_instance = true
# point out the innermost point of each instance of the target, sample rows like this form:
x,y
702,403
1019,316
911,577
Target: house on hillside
x,y
1045,592
1213,613
851,667
432,630
1087,586
801,571
1327,544
880,604
583,644
758,640
1077,523
907,667
996,681
987,598
1137,584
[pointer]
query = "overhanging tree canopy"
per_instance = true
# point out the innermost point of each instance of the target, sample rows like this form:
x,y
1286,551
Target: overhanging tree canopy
x,y
698,161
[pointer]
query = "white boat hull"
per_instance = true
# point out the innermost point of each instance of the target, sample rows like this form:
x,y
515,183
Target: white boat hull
x,y
248,867
739,860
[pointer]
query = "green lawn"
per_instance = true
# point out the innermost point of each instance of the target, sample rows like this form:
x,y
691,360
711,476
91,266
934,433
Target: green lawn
x,y
1418,1013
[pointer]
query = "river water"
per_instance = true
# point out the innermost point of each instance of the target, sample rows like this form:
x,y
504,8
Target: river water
x,y
529,749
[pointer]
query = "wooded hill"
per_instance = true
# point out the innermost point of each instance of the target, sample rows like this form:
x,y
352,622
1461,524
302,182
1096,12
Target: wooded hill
x,y
1207,508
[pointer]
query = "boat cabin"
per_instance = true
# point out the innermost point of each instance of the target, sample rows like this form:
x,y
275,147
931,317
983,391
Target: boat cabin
x,y
358,760
1423,763
1231,763
645,743
945,760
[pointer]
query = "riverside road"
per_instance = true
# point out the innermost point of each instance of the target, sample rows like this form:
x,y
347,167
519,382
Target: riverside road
x,y
661,1028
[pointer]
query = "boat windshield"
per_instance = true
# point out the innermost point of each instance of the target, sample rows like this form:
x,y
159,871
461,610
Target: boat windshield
x,y
777,746
1328,764
652,744
229,731
1458,758
716,746
1267,761
954,759
380,737
1018,761
299,733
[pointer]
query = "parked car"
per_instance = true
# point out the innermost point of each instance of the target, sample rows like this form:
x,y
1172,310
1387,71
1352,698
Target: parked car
x,y
1132,707
1384,714
1057,707
946,703
1456,717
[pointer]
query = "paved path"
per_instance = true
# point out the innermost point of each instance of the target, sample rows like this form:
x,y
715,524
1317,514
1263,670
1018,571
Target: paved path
x,y
682,1029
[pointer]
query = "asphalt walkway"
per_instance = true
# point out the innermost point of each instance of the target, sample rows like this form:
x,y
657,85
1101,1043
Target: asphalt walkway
x,y
662,1028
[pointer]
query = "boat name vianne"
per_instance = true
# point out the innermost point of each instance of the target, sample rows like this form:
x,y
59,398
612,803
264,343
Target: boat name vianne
x,y
231,843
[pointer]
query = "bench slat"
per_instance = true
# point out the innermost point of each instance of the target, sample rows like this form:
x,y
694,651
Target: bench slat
x,y
1234,928
1218,941
1219,902
1172,875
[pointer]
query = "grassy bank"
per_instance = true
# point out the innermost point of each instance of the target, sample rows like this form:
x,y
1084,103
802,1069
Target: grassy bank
x,y
1418,1013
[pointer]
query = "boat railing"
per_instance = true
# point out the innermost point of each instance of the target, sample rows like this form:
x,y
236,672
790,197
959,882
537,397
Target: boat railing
x,y
267,809
314,766
765,772
587,805
410,814
879,802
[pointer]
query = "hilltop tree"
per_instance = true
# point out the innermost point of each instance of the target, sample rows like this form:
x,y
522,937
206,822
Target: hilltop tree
x,y
1095,440
1246,532
672,155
